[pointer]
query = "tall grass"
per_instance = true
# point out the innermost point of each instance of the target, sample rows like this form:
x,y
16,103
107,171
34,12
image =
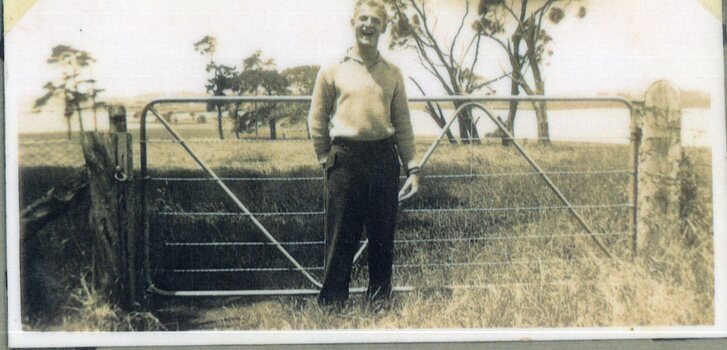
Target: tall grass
x,y
534,268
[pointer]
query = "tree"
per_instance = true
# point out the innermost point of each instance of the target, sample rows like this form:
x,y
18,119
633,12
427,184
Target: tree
x,y
454,65
518,27
72,63
95,104
261,77
221,78
302,79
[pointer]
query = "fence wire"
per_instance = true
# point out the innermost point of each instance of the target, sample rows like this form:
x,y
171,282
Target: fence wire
x,y
399,241
222,247
424,176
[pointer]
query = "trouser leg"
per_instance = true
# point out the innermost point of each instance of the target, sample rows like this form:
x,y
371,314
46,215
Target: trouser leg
x,y
345,213
381,225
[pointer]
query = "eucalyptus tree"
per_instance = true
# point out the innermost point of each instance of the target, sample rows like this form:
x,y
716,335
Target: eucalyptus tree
x,y
454,65
520,29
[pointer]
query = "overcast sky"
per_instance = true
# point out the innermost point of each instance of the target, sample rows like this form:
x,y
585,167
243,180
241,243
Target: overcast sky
x,y
147,46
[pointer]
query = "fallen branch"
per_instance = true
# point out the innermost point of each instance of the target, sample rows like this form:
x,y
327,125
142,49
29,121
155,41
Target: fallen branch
x,y
56,202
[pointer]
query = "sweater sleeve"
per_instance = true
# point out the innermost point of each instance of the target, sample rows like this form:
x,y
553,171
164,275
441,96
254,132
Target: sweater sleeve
x,y
401,121
321,107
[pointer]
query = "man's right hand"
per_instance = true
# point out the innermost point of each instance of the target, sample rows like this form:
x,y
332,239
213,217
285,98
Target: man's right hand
x,y
410,188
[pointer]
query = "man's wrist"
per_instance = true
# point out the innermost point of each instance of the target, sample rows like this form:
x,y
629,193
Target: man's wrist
x,y
412,171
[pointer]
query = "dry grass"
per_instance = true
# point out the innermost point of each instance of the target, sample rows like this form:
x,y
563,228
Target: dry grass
x,y
87,310
558,281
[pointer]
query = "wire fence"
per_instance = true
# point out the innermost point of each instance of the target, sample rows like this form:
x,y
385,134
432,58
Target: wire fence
x,y
482,211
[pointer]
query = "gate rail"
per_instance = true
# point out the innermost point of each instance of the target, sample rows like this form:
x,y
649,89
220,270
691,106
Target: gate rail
x,y
467,103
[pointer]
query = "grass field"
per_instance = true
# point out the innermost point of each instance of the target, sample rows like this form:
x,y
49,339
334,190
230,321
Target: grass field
x,y
531,267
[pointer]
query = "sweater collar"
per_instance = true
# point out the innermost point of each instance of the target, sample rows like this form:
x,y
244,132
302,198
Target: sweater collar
x,y
350,55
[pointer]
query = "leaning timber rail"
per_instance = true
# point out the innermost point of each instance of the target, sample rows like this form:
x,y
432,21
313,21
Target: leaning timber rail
x,y
467,102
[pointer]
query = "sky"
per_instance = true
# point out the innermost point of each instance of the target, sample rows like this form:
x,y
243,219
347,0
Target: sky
x,y
147,46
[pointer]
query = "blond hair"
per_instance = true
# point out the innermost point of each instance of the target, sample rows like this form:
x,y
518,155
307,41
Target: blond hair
x,y
376,4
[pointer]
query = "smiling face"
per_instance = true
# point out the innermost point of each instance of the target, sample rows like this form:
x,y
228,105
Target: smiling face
x,y
368,22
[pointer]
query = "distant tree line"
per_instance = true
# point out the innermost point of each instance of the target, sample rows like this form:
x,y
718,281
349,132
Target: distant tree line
x,y
255,76
519,28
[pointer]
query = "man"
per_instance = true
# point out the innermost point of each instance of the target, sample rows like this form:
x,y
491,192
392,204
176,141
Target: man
x,y
360,127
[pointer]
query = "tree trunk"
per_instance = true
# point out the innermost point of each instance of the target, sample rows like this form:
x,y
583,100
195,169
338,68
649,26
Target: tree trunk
x,y
467,133
237,120
474,134
516,76
437,115
541,113
80,119
103,220
95,118
441,122
271,123
219,122
511,113
68,125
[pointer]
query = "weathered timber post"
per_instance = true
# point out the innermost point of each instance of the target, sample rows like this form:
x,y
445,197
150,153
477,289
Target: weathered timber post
x,y
121,143
636,127
111,218
660,154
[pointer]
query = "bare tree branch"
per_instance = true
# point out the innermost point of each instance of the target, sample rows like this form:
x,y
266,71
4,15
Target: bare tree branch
x,y
454,41
437,50
488,82
477,53
524,84
437,115
510,10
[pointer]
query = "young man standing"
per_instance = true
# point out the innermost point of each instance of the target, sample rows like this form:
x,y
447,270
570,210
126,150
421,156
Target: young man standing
x,y
360,127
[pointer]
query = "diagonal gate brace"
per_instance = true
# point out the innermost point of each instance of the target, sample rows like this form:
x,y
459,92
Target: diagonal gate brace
x,y
236,200
524,154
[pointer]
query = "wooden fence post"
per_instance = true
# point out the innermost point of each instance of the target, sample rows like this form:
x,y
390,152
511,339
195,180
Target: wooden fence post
x,y
660,154
109,163
636,127
122,146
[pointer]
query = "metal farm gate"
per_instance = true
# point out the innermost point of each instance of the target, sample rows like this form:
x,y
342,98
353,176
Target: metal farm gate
x,y
242,251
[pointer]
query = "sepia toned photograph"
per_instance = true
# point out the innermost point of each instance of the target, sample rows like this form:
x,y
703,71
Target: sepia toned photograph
x,y
327,171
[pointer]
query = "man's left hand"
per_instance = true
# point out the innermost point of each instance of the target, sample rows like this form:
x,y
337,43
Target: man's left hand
x,y
410,188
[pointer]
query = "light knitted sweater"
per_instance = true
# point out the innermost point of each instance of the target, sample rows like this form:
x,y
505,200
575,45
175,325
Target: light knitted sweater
x,y
358,102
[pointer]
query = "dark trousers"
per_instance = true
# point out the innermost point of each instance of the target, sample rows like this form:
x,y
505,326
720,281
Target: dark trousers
x,y
362,184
